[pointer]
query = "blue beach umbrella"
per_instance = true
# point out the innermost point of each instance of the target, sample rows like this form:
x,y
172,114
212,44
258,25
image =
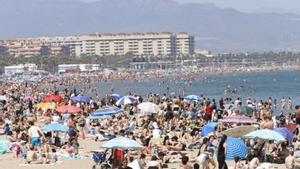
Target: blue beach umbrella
x,y
122,143
55,127
209,128
192,97
107,111
126,100
100,117
285,133
266,134
116,96
236,148
82,99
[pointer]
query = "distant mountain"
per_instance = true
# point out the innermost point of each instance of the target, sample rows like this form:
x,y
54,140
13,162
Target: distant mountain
x,y
216,29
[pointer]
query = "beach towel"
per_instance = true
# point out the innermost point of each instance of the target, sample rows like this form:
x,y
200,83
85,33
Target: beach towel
x,y
4,145
40,165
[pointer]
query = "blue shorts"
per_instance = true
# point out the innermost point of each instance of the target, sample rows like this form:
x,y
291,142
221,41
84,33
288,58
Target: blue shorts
x,y
36,142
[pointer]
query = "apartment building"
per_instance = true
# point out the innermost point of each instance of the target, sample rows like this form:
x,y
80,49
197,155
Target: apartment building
x,y
151,44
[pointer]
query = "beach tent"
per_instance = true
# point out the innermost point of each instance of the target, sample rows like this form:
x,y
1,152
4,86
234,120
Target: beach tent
x,y
209,128
236,148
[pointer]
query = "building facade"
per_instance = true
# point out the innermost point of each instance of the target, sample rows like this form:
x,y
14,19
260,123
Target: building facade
x,y
152,44
19,69
75,68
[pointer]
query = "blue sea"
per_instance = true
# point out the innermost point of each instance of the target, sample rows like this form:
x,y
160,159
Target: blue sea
x,y
260,86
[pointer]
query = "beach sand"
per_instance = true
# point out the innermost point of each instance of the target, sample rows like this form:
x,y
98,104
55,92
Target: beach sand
x,y
8,161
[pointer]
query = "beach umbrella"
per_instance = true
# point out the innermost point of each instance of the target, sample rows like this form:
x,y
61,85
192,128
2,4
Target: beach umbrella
x,y
29,98
192,97
55,127
292,127
68,109
52,98
82,99
45,106
239,119
107,111
266,134
116,96
246,110
149,107
285,133
209,128
126,100
236,148
105,116
239,131
122,143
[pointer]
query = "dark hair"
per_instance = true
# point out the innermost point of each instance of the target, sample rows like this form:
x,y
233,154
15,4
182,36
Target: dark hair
x,y
154,158
236,159
196,166
185,160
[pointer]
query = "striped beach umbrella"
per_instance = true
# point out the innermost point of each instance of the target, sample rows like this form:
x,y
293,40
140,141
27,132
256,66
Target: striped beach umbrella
x,y
240,119
126,100
236,148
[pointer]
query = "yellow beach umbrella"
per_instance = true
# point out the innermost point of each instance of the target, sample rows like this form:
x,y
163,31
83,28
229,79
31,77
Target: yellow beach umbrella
x,y
45,106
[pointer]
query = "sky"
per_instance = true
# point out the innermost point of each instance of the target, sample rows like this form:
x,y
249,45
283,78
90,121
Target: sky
x,y
254,5
279,6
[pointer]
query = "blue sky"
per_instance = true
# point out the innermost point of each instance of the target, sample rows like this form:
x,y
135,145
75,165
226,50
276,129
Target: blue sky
x,y
254,5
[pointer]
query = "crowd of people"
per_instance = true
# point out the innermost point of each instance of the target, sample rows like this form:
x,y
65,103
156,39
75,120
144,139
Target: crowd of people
x,y
171,136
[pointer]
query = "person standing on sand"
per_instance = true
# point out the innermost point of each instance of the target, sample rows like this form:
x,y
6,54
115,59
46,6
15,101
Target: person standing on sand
x,y
221,154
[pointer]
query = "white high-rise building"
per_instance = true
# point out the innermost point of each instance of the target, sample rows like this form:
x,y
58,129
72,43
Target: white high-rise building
x,y
152,44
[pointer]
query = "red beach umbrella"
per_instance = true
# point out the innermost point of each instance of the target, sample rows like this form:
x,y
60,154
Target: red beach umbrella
x,y
68,109
52,98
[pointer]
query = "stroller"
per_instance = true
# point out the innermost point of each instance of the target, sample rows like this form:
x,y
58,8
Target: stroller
x,y
100,160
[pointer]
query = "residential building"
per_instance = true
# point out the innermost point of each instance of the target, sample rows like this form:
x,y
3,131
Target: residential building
x,y
151,43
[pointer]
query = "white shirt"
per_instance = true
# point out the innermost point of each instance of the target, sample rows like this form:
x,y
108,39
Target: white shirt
x,y
34,131
156,133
